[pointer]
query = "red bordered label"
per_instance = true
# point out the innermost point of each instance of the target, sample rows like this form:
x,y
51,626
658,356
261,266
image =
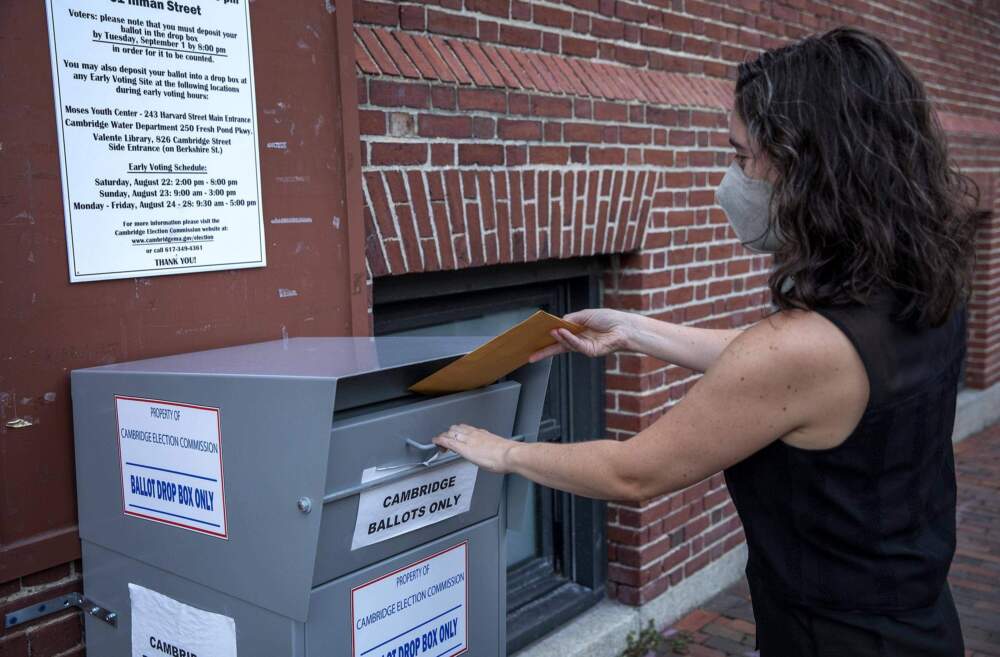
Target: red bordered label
x,y
170,457
419,610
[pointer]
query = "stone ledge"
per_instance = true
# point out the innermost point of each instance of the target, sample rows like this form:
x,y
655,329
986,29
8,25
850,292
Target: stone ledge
x,y
977,409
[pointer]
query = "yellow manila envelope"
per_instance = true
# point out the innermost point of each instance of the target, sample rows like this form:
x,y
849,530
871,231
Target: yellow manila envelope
x,y
501,355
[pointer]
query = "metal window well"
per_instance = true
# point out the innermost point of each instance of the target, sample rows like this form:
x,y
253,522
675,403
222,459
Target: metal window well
x,y
284,499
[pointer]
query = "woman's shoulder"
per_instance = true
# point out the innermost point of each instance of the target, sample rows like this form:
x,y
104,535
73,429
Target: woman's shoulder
x,y
801,334
818,366
805,344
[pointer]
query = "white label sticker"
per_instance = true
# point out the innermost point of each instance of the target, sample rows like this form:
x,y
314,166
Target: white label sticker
x,y
420,609
164,626
157,127
413,502
171,464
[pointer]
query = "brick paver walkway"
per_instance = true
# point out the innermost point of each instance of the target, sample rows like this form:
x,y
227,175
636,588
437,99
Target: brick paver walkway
x,y
724,625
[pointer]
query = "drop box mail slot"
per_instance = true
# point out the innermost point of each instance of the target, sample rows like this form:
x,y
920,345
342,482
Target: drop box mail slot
x,y
286,497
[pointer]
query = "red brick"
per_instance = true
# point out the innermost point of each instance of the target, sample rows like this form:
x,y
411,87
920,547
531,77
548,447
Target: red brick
x,y
434,125
371,122
380,204
606,111
585,132
399,94
388,153
552,17
548,154
416,55
516,68
376,50
56,635
489,31
629,135
483,154
444,97
469,62
421,210
520,36
441,70
412,17
399,58
631,56
381,13
451,59
578,47
365,62
494,76
526,130
607,155
508,75
482,99
550,106
695,620
14,645
451,24
606,29
443,155
500,8
47,576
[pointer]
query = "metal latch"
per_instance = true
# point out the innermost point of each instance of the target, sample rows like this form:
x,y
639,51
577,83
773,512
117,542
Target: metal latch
x,y
55,605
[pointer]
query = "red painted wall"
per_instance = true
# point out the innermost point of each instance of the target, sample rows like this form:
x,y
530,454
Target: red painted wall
x,y
50,327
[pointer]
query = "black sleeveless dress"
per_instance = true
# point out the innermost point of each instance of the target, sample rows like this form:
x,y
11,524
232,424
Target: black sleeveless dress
x,y
849,547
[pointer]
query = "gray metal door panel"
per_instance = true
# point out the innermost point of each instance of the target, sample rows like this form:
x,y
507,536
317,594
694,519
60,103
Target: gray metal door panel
x,y
328,630
373,439
382,437
275,437
259,632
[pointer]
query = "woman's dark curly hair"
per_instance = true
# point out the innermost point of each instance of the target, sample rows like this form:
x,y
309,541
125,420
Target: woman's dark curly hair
x,y
865,196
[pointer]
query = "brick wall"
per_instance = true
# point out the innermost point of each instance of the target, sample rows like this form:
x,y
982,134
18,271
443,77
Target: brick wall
x,y
58,635
497,131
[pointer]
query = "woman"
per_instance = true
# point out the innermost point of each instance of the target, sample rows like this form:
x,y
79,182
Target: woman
x,y
832,417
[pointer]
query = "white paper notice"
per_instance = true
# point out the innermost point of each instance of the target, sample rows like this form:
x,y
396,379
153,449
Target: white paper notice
x,y
421,609
157,127
163,626
410,503
171,464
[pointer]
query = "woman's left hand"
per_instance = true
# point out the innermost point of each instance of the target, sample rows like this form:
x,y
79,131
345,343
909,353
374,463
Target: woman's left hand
x,y
485,449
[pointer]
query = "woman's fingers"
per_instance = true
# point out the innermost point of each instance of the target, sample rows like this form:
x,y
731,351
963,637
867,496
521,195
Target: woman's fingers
x,y
545,352
575,343
578,317
479,446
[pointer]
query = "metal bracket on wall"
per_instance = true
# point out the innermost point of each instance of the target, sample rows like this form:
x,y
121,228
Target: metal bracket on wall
x,y
54,605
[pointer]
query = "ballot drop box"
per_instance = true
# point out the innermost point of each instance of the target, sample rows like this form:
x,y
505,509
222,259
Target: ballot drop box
x,y
285,499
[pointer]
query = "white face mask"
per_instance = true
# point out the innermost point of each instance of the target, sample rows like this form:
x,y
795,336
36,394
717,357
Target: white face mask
x,y
746,202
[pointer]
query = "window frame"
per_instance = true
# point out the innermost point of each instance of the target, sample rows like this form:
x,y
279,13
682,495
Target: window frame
x,y
543,592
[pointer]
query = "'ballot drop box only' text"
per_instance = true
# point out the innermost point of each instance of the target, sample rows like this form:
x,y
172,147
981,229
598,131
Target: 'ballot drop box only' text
x,y
285,499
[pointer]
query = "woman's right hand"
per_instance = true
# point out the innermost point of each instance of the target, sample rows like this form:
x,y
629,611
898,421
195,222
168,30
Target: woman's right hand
x,y
607,331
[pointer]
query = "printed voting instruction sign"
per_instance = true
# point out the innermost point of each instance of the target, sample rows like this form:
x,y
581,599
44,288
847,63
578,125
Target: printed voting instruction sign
x,y
416,611
163,626
171,464
410,503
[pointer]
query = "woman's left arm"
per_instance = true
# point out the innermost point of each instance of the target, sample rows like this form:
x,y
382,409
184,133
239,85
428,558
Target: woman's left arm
x,y
779,376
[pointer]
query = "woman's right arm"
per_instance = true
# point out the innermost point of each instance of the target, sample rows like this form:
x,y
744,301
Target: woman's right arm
x,y
609,330
687,346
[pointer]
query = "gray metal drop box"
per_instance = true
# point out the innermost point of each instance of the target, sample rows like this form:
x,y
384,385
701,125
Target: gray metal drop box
x,y
292,487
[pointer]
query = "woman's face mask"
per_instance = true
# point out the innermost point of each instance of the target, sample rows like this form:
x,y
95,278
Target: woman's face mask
x,y
746,202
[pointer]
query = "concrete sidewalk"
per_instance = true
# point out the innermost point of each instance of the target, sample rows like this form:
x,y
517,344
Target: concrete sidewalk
x,y
724,625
